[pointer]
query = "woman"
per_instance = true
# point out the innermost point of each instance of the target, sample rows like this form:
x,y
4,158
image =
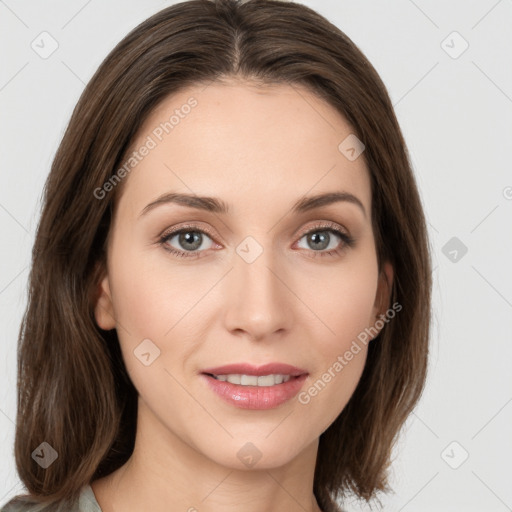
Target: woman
x,y
187,343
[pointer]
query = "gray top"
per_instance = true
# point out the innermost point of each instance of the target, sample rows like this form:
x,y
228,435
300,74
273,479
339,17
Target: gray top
x,y
86,503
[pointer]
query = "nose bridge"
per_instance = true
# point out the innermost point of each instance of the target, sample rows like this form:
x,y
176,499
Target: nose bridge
x,y
259,302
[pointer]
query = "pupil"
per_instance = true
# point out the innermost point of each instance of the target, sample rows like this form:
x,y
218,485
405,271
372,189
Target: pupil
x,y
323,239
188,238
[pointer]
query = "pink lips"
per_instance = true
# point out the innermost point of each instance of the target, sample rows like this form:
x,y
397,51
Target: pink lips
x,y
249,369
255,397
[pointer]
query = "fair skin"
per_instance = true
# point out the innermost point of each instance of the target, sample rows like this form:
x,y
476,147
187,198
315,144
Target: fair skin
x,y
258,149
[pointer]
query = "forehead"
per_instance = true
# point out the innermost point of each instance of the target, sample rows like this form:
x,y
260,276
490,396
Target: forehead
x,y
248,144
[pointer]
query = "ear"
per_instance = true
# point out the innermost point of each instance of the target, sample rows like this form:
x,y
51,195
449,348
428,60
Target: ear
x,y
383,295
103,307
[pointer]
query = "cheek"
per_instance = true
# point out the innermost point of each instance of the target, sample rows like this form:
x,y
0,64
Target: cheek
x,y
328,392
345,308
150,296
157,301
340,355
343,300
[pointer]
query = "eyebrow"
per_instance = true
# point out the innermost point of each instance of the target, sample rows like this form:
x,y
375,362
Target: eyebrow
x,y
215,205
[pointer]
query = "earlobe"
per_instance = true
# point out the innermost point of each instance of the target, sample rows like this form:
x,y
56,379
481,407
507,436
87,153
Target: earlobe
x,y
103,308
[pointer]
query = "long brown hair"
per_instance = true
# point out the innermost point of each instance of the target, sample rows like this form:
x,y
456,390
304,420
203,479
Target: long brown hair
x,y
73,389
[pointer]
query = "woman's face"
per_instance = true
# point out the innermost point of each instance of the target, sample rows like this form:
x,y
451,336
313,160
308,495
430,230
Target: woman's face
x,y
264,281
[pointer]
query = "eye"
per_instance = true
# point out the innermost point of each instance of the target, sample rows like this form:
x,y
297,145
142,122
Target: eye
x,y
189,238
190,241
320,239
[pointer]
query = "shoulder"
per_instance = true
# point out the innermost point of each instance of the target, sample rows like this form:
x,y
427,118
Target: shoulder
x,y
85,503
21,505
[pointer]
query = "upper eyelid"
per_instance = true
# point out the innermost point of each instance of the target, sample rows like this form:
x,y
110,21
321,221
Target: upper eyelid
x,y
192,227
323,225
320,225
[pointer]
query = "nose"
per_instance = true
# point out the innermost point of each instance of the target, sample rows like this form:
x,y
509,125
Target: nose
x,y
259,303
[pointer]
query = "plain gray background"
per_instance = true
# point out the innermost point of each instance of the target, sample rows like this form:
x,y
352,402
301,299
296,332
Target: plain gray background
x,y
453,97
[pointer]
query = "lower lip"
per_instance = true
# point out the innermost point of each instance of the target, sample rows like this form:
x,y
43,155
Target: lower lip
x,y
256,397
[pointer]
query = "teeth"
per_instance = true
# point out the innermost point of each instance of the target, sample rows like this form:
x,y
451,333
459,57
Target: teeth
x,y
253,380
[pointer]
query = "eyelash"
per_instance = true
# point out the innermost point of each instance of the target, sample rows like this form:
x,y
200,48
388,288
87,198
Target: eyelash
x,y
347,240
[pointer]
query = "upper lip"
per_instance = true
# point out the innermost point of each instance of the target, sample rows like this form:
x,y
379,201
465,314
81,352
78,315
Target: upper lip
x,y
249,369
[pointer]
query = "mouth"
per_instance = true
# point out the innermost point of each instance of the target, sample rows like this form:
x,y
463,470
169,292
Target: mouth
x,y
250,387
